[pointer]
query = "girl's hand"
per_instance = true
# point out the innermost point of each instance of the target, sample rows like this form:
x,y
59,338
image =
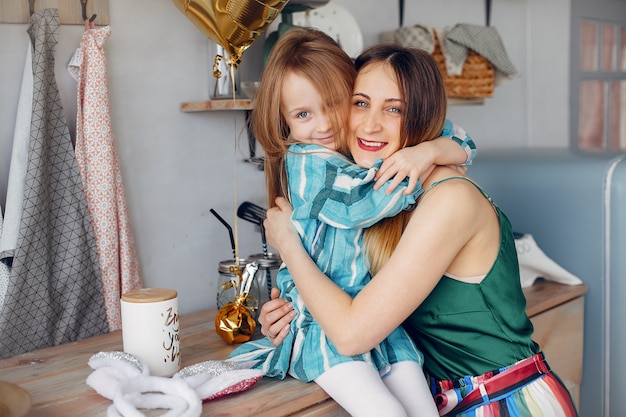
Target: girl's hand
x,y
275,317
415,163
279,230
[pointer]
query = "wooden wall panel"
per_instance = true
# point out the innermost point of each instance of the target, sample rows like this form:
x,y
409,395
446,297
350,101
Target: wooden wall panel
x,y
70,11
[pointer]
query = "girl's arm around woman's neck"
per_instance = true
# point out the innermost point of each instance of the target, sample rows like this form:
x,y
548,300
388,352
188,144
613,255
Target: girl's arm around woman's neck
x,y
441,226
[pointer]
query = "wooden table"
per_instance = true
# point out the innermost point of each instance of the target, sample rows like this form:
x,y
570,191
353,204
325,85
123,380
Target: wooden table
x,y
56,376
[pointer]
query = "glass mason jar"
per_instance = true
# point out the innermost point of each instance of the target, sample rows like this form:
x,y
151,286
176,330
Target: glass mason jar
x,y
229,283
266,275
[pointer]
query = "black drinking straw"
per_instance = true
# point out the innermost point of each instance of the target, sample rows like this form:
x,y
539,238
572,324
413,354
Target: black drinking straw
x,y
230,233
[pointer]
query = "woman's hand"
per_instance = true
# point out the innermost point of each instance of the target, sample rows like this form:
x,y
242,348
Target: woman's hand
x,y
277,313
275,317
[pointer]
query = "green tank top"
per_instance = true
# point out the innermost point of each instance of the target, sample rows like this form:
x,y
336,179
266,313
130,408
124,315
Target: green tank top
x,y
470,329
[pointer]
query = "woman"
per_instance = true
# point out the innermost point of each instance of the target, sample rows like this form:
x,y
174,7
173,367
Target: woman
x,y
447,270
303,103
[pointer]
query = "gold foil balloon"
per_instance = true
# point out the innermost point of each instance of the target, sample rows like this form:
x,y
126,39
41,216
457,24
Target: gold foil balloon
x,y
234,24
234,323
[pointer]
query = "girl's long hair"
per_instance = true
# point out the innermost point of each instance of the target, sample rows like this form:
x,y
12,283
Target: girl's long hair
x,y
315,56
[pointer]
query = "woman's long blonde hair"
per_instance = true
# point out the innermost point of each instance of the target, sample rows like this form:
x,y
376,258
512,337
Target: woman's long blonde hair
x,y
423,90
315,56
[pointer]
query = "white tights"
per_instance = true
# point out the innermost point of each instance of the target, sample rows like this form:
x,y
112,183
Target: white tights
x,y
360,390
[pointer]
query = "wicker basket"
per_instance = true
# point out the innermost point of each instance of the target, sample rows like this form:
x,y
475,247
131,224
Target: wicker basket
x,y
476,81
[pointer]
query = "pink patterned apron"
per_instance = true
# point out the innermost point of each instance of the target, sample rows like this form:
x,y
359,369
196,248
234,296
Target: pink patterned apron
x,y
99,168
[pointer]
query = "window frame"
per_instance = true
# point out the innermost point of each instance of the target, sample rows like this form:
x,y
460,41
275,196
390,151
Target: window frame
x,y
603,17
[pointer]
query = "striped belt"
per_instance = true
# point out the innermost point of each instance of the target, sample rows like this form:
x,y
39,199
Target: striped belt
x,y
494,388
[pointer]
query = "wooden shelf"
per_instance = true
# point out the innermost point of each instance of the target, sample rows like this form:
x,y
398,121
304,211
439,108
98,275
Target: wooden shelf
x,y
212,105
465,101
228,104
245,104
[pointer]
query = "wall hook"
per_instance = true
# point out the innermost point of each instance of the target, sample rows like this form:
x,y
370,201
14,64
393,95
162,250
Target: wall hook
x,y
83,6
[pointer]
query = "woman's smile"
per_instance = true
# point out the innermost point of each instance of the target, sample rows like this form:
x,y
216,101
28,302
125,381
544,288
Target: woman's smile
x,y
376,115
371,146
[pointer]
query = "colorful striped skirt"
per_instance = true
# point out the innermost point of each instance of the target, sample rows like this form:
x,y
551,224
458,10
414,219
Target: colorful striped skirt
x,y
527,388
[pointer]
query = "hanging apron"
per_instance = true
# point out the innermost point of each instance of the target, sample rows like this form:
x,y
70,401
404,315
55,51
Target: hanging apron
x,y
99,168
5,273
10,227
54,294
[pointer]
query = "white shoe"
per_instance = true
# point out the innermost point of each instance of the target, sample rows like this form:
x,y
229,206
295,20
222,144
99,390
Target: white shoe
x,y
533,264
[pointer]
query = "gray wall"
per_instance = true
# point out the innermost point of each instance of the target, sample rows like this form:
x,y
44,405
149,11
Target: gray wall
x,y
176,166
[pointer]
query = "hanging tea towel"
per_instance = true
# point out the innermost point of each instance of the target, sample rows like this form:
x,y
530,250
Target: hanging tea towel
x,y
9,229
97,160
417,36
19,162
456,41
484,40
5,274
54,294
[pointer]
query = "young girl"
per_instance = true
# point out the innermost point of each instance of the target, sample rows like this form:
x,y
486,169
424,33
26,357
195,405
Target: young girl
x,y
306,86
